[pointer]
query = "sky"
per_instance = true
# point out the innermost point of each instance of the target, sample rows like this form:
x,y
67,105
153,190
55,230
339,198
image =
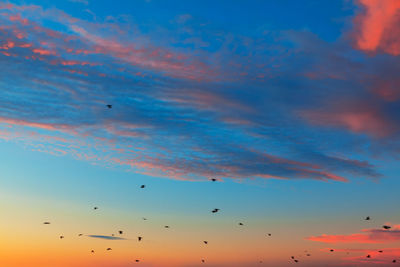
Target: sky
x,y
292,106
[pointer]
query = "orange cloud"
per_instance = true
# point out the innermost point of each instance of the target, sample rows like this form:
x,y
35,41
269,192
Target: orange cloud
x,y
378,26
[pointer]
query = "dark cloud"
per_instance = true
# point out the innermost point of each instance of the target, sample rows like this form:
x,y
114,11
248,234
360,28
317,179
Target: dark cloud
x,y
107,237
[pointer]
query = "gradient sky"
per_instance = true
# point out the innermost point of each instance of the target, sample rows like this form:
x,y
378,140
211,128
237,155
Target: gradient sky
x,y
293,106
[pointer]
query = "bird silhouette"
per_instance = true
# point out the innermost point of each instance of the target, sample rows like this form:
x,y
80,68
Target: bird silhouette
x,y
109,248
394,261
387,227
142,186
380,251
213,179
166,226
109,106
205,242
368,218
61,236
46,223
95,208
240,223
292,257
80,234
368,256
296,260
137,260
144,219
120,232
269,234
331,250
215,210
203,261
139,238
92,251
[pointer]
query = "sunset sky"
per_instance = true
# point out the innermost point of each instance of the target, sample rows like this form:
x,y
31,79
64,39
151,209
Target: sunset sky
x,y
293,106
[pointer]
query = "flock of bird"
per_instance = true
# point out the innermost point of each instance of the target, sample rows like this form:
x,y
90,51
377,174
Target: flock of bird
x,y
215,210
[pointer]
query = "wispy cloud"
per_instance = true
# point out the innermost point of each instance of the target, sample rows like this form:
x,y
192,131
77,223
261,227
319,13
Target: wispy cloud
x,y
251,107
107,237
368,236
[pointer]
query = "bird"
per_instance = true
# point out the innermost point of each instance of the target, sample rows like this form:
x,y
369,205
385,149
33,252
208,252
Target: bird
x,y
203,261
308,254
46,223
394,261
269,234
95,208
368,218
240,223
109,248
296,261
144,219
61,236
92,251
331,250
215,210
205,242
368,256
120,232
380,251
137,260
139,238
109,106
166,226
80,235
387,227
142,186
213,179
292,257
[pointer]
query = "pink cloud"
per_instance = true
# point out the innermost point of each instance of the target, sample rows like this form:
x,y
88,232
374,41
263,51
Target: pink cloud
x,y
358,120
378,26
368,236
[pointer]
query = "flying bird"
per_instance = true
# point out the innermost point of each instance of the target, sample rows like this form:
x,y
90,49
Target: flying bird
x,y
292,257
205,242
95,208
368,218
203,261
269,234
331,250
120,232
387,227
213,179
109,248
109,106
142,186
296,261
139,238
380,251
166,226
137,260
394,261
368,256
215,210
61,236
92,251
144,219
240,223
80,235
46,223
